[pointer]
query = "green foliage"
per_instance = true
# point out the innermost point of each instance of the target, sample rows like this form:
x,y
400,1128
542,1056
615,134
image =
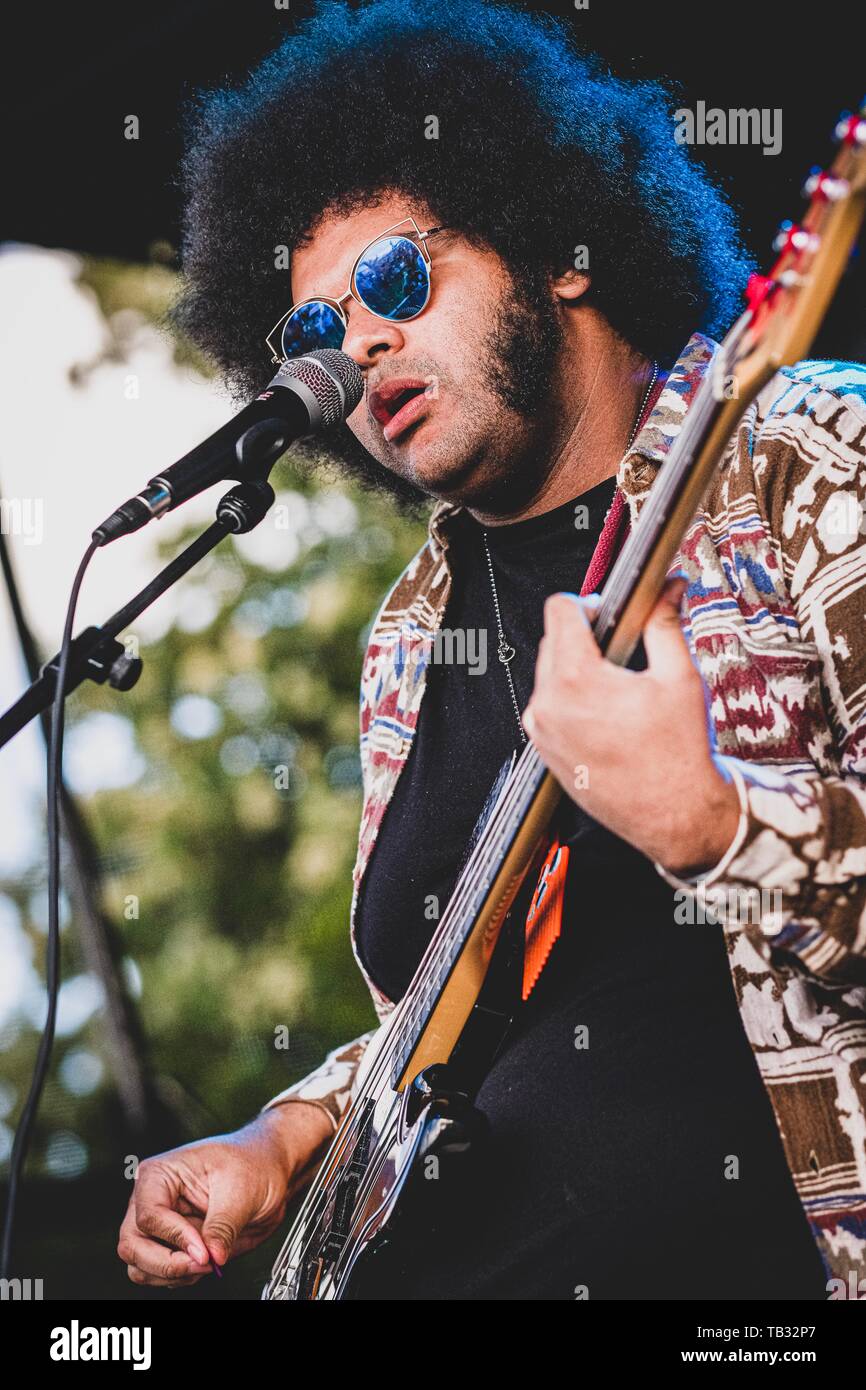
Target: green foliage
x,y
227,860
127,293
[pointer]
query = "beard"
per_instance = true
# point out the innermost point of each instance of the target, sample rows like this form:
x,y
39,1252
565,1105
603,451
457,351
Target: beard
x,y
516,366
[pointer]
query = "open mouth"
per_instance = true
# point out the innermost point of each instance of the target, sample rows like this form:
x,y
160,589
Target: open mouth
x,y
399,403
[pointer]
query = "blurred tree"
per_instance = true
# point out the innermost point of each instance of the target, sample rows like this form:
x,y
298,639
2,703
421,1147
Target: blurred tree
x,y
228,843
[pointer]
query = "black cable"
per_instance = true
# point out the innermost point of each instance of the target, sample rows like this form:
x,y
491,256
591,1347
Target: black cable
x,y
52,970
124,1041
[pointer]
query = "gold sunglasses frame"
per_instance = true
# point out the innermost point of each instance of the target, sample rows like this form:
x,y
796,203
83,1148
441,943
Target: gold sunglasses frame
x,y
337,304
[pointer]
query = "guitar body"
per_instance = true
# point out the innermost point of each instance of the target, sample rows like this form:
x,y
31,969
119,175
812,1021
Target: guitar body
x,y
404,1121
330,1242
341,1247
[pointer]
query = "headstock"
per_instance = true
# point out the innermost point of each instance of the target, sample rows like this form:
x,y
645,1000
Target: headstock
x,y
786,306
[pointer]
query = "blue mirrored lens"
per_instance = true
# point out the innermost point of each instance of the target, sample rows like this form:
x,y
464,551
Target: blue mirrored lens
x,y
392,279
313,325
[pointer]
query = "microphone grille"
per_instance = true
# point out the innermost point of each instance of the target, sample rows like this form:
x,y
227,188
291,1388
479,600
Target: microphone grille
x,y
334,379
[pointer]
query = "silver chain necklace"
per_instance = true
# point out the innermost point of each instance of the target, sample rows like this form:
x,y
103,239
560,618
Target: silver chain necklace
x,y
505,651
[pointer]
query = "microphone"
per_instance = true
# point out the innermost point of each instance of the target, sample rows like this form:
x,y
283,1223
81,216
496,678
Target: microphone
x,y
307,394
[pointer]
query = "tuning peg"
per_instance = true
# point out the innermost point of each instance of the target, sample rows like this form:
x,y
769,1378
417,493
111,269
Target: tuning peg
x,y
851,129
792,280
759,289
792,237
825,185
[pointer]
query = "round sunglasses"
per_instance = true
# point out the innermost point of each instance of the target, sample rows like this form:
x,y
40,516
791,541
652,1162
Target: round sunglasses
x,y
390,278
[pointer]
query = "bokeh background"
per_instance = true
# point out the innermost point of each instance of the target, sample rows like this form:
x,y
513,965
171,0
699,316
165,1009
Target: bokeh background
x,y
219,799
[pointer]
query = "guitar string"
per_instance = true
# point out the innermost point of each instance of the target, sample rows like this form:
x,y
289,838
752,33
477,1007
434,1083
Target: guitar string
x,y
525,771
384,1138
402,1017
387,1055
319,1196
384,1143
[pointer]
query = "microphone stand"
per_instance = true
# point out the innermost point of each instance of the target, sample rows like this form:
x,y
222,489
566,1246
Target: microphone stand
x,y
143,1110
95,654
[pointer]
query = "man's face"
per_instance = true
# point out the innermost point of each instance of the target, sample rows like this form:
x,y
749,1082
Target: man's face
x,y
486,426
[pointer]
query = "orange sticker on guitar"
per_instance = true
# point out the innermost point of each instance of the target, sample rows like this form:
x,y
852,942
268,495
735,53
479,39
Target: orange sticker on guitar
x,y
544,918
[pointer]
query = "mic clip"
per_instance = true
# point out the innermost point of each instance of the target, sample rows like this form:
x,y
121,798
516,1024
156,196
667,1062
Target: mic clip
x,y
97,657
245,505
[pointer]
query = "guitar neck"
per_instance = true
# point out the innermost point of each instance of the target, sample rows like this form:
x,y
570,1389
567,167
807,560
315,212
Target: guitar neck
x,y
638,576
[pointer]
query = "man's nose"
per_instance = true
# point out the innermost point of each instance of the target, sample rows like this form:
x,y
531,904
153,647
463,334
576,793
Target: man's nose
x,y
368,337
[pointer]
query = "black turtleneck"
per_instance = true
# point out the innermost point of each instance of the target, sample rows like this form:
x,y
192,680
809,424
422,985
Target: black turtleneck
x,y
607,1165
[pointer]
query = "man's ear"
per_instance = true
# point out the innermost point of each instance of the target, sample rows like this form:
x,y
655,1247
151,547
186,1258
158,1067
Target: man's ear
x,y
571,284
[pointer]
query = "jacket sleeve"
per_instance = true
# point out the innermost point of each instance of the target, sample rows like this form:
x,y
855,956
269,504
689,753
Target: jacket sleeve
x,y
330,1085
795,875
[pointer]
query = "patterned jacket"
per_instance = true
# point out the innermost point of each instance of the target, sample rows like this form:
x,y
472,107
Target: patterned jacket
x,y
775,615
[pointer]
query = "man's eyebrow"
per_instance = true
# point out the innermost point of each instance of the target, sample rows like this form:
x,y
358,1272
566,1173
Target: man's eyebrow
x,y
442,240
